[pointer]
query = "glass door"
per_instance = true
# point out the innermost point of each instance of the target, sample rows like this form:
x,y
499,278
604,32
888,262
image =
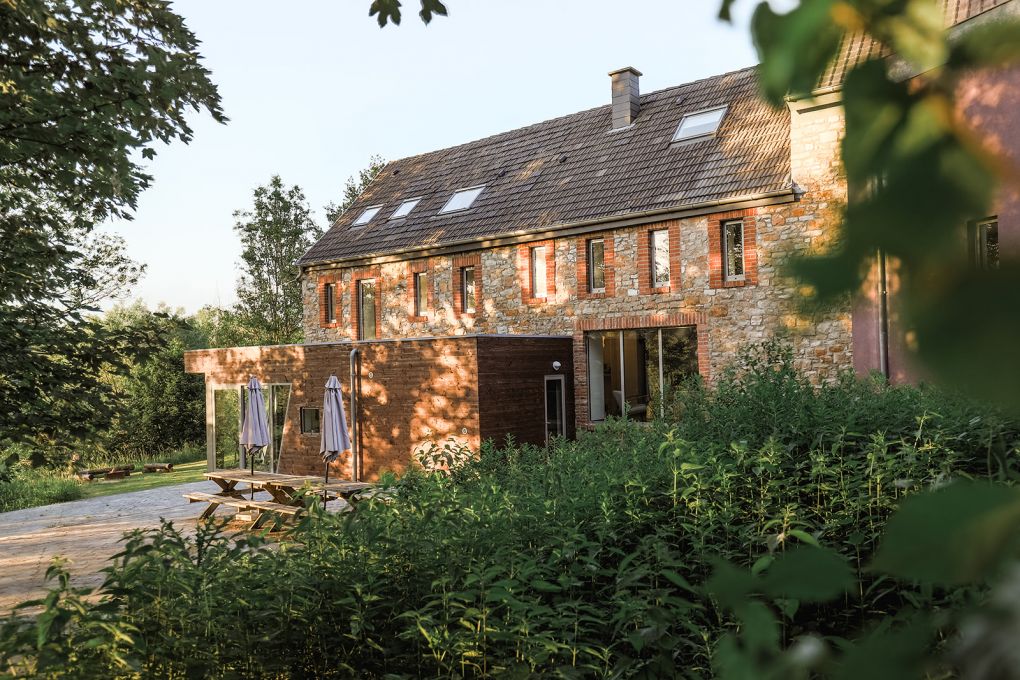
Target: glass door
x,y
555,408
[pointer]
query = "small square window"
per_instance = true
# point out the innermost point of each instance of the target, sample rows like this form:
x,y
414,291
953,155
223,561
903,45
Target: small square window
x,y
467,290
733,250
462,199
330,302
984,243
659,244
596,265
539,289
699,124
405,208
421,293
309,420
367,216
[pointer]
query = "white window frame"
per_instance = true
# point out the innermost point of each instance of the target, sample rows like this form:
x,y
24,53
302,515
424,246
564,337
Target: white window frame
x,y
467,302
330,302
413,204
367,215
591,265
420,306
361,310
563,404
724,250
534,265
458,193
652,259
678,137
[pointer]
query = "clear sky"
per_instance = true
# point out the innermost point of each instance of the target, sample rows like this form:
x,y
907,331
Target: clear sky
x,y
314,88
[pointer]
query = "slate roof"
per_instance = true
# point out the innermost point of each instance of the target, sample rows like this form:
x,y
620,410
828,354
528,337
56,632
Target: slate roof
x,y
575,169
857,47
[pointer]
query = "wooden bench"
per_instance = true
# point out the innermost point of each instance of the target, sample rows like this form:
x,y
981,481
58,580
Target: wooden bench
x,y
267,509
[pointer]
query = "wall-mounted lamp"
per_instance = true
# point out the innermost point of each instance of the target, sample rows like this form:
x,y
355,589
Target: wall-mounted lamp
x,y
556,365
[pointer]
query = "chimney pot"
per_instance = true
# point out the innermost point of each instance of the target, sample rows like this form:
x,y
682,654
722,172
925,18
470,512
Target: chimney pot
x,y
626,96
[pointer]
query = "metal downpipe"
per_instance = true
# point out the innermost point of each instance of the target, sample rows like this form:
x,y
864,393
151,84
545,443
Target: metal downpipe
x,y
355,388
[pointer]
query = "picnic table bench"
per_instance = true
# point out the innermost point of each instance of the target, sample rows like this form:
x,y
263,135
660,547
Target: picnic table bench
x,y
287,493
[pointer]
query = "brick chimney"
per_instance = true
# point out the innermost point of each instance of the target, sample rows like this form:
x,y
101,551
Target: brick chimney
x,y
626,96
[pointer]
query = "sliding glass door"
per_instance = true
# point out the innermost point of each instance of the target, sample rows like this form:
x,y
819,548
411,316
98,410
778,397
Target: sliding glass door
x,y
632,372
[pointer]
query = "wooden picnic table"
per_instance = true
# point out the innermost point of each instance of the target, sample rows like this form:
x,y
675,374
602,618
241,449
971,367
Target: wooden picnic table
x,y
285,490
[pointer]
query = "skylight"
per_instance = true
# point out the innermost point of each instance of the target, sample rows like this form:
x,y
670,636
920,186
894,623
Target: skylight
x,y
404,208
699,124
367,216
462,200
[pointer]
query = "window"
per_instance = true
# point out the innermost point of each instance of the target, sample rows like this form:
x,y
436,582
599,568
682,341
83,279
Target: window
x,y
462,200
539,289
596,265
699,124
659,244
309,420
984,243
632,373
404,208
467,290
330,295
367,216
733,250
366,310
421,290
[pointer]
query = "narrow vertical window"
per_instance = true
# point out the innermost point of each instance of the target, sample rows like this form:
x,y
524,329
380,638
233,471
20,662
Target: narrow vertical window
x,y
733,250
330,302
467,290
985,243
421,290
660,258
538,282
596,265
366,310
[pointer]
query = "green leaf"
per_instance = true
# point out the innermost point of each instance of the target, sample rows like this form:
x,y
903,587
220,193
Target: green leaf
x,y
809,574
803,536
954,536
887,654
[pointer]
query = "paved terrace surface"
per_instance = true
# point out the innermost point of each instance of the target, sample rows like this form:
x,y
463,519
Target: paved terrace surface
x,y
87,532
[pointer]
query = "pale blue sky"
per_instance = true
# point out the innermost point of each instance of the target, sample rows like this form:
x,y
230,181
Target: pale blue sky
x,y
313,89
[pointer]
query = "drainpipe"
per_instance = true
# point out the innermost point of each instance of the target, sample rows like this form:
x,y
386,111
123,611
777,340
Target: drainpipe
x,y
355,375
883,317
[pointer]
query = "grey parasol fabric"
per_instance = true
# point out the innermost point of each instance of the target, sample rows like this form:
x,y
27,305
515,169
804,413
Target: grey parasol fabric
x,y
255,428
334,439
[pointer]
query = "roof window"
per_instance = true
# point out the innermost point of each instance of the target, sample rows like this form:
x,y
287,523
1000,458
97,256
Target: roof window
x,y
462,199
367,216
404,208
700,124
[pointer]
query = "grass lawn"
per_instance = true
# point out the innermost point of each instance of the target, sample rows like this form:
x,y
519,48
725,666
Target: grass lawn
x,y
182,474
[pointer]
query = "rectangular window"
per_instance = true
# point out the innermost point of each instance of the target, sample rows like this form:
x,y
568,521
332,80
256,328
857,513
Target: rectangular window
x,y
309,420
404,209
632,373
330,302
538,282
421,293
467,290
733,250
596,265
366,217
462,199
984,243
366,310
660,258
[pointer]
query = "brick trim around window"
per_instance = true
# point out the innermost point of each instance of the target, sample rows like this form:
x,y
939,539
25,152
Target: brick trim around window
x,y
524,272
357,276
335,278
644,257
417,267
459,263
582,267
697,319
716,277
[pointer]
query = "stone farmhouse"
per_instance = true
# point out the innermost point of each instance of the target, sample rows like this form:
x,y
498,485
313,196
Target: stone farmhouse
x,y
543,279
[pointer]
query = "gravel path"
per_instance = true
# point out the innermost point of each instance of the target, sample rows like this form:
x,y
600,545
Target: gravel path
x,y
87,532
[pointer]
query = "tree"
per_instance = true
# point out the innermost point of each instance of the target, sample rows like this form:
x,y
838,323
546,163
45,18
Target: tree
x,y
353,188
274,234
87,89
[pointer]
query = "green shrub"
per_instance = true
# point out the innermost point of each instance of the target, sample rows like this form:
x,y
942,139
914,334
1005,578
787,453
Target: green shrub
x,y
26,487
584,559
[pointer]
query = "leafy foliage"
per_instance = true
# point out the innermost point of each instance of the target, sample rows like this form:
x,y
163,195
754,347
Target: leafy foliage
x,y
353,188
388,11
274,234
691,554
